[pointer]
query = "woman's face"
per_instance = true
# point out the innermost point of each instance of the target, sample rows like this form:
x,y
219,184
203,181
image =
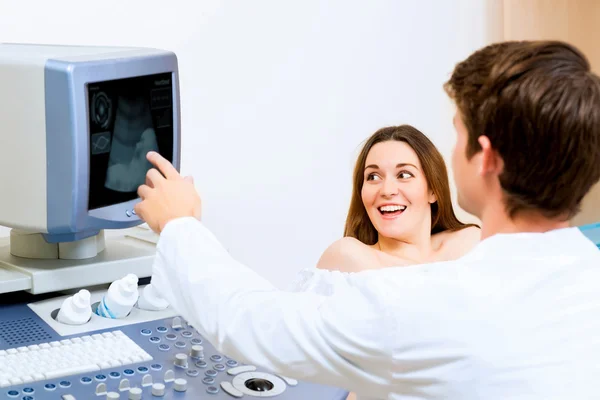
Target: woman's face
x,y
395,192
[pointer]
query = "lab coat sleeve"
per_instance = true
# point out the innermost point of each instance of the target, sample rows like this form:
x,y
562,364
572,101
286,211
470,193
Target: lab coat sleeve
x,y
340,340
323,282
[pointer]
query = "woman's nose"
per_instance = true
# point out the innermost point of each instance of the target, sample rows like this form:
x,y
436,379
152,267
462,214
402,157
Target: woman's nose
x,y
390,188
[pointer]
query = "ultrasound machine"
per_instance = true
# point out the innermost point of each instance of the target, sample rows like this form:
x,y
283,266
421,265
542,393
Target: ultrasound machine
x,y
75,125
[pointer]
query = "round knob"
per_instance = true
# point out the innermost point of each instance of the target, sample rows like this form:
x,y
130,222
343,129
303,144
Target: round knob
x,y
197,351
180,385
181,360
135,393
112,396
158,390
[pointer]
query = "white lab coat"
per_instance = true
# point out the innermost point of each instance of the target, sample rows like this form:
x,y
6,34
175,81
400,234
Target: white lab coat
x,y
517,318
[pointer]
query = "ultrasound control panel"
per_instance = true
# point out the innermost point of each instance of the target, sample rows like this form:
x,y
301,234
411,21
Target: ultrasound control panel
x,y
159,358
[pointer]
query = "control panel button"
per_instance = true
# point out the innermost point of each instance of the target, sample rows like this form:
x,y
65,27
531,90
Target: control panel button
x,y
147,380
219,367
101,389
164,347
180,385
158,390
112,396
169,376
289,381
135,393
192,372
197,351
208,380
176,324
181,360
212,389
228,387
124,385
240,369
232,363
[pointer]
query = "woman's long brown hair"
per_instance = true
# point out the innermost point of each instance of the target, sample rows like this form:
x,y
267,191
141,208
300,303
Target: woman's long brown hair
x,y
358,224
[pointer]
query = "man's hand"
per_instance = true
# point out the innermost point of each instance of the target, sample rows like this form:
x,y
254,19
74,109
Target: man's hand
x,y
166,197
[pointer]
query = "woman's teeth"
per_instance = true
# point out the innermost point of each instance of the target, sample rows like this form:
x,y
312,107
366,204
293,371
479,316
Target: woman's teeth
x,y
391,209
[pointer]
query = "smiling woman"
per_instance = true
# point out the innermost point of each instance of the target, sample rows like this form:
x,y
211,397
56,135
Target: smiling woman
x,y
401,210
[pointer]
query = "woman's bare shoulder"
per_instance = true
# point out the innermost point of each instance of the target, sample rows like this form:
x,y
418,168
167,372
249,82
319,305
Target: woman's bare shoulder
x,y
347,255
458,243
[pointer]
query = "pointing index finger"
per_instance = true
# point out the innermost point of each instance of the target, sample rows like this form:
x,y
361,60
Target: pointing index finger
x,y
163,165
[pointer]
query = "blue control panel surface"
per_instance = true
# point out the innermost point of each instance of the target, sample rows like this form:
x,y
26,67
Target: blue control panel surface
x,y
182,366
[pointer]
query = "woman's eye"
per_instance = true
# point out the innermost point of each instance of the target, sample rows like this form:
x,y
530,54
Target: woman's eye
x,y
372,177
405,175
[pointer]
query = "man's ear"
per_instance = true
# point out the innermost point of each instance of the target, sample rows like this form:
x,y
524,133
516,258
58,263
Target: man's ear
x,y
491,162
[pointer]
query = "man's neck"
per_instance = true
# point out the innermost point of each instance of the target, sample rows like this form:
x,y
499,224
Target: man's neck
x,y
496,220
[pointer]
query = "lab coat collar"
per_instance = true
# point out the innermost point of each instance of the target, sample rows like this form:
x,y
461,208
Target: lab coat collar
x,y
555,243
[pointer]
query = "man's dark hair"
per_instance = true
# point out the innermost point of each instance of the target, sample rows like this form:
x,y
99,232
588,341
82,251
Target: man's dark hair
x,y
539,104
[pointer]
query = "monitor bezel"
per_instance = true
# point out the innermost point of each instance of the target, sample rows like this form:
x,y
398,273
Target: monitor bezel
x,y
68,128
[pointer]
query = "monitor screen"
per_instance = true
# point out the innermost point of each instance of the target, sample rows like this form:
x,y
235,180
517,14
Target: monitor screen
x,y
127,118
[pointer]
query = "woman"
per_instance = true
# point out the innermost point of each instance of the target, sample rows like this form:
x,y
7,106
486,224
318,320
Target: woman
x,y
400,212
401,209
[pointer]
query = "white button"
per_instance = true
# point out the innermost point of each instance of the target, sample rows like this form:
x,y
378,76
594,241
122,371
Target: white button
x,y
197,351
124,385
101,389
289,381
169,376
180,385
176,323
158,390
68,397
240,369
228,387
147,380
135,393
181,360
112,396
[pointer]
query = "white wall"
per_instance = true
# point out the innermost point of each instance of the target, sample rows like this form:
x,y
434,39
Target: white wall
x,y
278,95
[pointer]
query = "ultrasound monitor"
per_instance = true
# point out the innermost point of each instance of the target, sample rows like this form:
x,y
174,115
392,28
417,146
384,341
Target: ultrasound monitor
x,y
76,124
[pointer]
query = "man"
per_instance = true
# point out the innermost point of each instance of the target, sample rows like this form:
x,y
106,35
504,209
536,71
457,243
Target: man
x,y
517,318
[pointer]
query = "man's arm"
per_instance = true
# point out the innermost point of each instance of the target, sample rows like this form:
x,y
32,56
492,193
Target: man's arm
x,y
341,340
